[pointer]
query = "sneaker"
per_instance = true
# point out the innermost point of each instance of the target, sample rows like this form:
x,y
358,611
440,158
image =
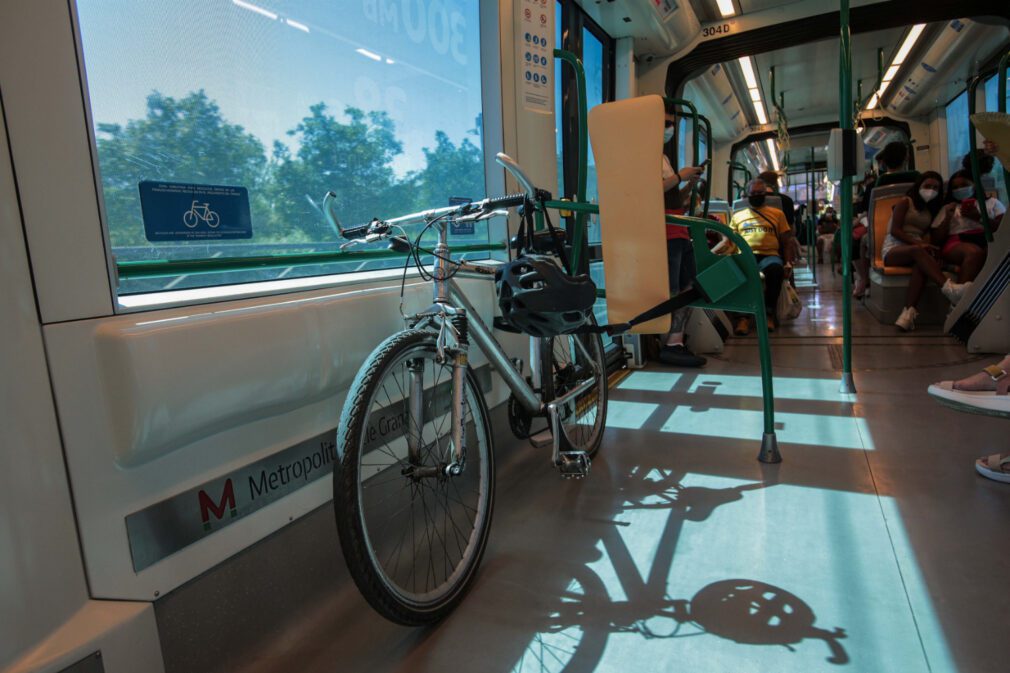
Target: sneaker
x,y
680,356
906,321
742,326
954,291
860,287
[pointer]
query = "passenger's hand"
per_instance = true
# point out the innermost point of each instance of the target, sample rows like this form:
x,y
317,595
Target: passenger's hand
x,y
948,210
690,173
969,209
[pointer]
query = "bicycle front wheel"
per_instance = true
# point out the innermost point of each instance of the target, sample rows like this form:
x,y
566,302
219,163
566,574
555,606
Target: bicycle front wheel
x,y
412,535
565,362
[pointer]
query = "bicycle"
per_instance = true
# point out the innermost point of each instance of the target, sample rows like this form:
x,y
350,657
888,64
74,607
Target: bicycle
x,y
200,213
413,485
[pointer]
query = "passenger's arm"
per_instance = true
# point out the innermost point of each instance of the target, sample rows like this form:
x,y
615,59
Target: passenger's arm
x,y
786,248
941,225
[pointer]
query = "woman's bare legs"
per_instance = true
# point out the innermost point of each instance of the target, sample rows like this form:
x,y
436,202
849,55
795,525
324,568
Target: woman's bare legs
x,y
924,267
969,257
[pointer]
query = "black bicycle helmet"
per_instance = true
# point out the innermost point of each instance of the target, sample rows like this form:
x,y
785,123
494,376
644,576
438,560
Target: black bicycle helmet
x,y
538,298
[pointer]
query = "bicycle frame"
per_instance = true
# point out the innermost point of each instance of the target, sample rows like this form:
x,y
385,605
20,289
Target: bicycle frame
x,y
449,301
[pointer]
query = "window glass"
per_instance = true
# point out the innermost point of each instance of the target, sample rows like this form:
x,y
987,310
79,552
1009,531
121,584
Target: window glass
x,y
288,99
957,132
991,94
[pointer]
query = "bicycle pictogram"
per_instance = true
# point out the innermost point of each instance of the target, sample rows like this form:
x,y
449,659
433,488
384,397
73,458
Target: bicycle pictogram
x,y
200,212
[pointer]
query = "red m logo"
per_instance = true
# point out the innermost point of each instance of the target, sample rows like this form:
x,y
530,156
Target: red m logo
x,y
208,506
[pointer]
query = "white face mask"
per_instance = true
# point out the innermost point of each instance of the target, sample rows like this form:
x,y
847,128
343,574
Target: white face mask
x,y
667,135
928,194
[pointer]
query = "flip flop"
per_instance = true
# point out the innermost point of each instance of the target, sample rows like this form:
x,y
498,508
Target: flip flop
x,y
995,467
986,402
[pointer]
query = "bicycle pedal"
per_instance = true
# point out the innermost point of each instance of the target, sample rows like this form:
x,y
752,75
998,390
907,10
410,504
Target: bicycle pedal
x,y
574,464
542,438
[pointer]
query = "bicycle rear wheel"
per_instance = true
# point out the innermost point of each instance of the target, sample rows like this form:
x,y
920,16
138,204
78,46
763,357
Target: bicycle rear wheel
x,y
565,361
412,536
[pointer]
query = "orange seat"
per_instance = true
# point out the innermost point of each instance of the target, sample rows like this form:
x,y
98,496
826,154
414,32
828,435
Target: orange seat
x,y
882,202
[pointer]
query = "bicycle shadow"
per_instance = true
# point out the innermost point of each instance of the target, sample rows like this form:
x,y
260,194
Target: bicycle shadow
x,y
541,607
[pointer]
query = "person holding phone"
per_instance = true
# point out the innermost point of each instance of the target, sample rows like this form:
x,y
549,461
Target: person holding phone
x,y
677,189
959,226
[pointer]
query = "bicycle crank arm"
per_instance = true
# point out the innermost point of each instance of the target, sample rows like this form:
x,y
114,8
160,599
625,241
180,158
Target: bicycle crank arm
x,y
572,464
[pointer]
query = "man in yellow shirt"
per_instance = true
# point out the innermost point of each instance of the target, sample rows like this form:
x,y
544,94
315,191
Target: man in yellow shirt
x,y
768,233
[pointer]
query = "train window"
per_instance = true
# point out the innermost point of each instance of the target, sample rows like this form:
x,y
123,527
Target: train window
x,y
286,99
957,131
991,93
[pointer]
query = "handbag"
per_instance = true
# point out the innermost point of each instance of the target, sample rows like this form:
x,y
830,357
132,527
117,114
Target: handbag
x,y
790,305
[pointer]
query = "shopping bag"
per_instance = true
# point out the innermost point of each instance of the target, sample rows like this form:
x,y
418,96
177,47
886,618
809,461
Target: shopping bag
x,y
790,305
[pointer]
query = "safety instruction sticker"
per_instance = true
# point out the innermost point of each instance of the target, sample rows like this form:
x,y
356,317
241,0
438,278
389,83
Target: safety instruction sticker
x,y
175,211
535,49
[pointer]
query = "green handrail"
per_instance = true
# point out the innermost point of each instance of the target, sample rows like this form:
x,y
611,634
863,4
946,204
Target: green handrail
x,y
737,166
579,235
746,297
695,142
860,102
133,270
845,122
976,171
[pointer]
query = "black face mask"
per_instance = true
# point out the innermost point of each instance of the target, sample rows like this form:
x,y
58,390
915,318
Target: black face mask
x,y
756,200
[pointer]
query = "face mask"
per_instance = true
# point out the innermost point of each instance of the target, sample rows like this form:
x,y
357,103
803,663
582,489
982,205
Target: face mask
x,y
962,193
928,194
667,135
756,200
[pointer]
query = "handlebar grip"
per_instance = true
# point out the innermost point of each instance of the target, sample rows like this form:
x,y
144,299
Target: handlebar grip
x,y
356,232
508,201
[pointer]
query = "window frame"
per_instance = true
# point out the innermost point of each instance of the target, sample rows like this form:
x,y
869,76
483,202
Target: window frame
x,y
491,97
573,20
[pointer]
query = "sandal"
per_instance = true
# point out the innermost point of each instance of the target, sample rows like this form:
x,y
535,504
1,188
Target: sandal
x,y
995,402
995,467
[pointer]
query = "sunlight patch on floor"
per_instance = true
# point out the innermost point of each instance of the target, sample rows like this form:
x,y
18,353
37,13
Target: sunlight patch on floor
x,y
722,574
842,432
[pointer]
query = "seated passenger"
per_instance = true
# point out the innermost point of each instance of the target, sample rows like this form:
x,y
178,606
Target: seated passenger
x,y
767,233
827,226
987,392
677,186
891,161
958,226
771,180
908,244
860,253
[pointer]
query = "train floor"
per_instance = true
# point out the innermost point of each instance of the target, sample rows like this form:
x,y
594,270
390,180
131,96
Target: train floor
x,y
872,547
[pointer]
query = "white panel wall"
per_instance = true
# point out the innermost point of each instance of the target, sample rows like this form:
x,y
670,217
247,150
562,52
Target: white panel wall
x,y
46,619
52,152
157,403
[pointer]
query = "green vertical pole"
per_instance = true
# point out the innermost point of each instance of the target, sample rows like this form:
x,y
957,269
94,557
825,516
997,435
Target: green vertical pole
x,y
579,236
845,121
812,209
976,176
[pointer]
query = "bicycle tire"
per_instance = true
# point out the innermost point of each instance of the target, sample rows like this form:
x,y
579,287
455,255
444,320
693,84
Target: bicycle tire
x,y
360,540
556,376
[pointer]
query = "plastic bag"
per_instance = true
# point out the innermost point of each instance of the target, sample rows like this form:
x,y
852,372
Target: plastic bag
x,y
790,305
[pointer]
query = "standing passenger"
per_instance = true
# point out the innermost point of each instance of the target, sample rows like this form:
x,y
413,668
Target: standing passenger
x,y
677,186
